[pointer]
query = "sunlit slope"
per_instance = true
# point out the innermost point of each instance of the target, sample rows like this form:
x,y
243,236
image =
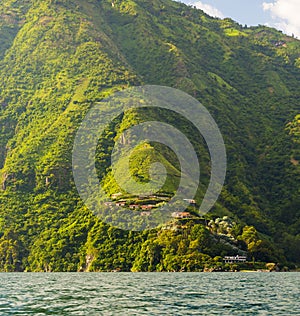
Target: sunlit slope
x,y
57,58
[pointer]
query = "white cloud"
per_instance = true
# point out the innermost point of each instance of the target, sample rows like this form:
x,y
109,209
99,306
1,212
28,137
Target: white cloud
x,y
285,14
209,9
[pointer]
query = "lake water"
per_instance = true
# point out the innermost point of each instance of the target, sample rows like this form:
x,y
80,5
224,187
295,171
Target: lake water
x,y
150,294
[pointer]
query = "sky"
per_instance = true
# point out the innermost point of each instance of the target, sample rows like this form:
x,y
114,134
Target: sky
x,y
281,14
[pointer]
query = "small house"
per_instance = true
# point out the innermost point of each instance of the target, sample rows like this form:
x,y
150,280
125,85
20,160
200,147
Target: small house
x,y
134,206
147,207
120,203
116,195
190,201
145,213
181,215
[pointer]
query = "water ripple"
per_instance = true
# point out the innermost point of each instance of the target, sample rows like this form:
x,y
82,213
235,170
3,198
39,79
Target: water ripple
x,y
150,294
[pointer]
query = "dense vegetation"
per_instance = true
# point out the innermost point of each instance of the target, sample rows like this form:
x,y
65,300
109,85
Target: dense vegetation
x,y
57,58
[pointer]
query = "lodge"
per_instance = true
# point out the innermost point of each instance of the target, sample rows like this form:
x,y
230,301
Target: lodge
x,y
234,259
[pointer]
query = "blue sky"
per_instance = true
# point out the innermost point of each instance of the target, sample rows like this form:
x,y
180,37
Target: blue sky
x,y
282,14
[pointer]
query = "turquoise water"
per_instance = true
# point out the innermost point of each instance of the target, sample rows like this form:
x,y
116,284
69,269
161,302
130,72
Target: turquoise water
x,y
150,294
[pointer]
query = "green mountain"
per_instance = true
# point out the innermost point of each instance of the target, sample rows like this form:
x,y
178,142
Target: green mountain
x,y
58,58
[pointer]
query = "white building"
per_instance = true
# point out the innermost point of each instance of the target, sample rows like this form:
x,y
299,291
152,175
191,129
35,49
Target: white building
x,y
234,259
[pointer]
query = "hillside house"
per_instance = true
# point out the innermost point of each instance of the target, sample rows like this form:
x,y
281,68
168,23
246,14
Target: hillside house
x,y
116,195
134,206
280,44
190,201
121,203
145,213
181,215
147,207
234,259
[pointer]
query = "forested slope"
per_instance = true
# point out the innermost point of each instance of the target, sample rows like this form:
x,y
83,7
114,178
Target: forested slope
x,y
57,58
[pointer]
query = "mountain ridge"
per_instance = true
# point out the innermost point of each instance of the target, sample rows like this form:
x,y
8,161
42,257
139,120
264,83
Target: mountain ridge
x,y
59,57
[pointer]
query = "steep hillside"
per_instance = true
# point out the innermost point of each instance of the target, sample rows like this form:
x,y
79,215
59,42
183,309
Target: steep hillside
x,y
57,58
